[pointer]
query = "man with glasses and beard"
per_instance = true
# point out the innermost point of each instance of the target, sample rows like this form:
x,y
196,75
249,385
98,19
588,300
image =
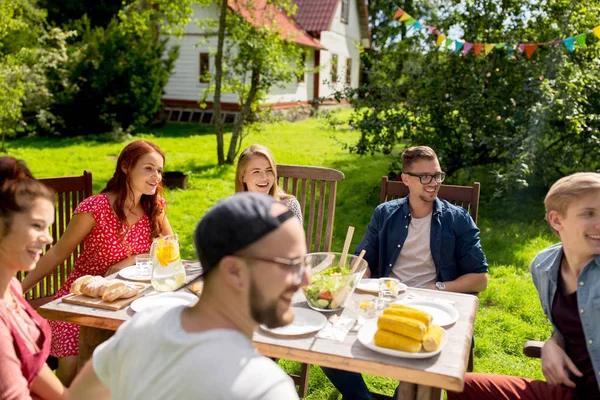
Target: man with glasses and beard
x,y
423,241
252,250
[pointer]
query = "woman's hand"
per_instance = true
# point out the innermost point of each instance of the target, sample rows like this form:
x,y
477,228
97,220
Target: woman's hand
x,y
127,262
556,364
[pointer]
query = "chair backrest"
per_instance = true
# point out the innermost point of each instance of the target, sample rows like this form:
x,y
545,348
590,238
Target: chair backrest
x,y
70,191
315,188
464,196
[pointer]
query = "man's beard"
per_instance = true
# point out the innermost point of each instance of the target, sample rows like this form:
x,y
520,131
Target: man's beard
x,y
265,312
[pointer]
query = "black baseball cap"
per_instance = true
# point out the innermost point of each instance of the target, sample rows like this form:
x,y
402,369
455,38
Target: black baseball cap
x,y
233,224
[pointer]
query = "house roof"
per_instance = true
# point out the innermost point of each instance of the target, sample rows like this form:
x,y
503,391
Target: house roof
x,y
259,16
317,15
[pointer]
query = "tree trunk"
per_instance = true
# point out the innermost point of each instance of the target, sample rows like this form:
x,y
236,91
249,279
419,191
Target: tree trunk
x,y
243,116
218,78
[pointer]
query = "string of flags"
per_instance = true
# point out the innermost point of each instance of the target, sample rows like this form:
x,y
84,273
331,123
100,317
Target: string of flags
x,y
487,48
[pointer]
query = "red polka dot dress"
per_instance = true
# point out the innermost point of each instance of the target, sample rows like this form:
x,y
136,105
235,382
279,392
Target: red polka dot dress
x,y
102,248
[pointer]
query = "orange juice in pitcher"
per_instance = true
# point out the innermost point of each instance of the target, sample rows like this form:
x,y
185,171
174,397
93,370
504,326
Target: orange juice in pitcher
x,y
167,269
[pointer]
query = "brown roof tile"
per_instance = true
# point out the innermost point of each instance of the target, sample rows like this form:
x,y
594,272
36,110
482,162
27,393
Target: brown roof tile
x,y
315,15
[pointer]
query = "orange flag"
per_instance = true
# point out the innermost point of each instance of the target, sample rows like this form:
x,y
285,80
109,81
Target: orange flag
x,y
597,31
477,48
399,13
529,49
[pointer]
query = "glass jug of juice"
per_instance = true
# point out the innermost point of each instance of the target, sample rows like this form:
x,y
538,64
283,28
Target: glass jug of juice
x,y
167,269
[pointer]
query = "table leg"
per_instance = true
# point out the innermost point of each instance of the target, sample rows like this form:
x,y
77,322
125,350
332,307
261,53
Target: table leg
x,y
89,339
410,391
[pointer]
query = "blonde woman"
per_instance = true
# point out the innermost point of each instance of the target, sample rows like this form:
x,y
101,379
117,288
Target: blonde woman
x,y
257,172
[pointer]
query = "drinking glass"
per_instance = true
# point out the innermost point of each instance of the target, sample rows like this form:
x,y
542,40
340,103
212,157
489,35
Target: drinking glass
x,y
388,290
366,310
143,262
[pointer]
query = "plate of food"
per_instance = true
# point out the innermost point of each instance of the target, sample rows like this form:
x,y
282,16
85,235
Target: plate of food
x,y
370,285
166,299
136,273
443,313
305,321
387,342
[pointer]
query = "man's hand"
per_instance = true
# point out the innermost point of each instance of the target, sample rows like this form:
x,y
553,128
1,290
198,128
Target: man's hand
x,y
556,363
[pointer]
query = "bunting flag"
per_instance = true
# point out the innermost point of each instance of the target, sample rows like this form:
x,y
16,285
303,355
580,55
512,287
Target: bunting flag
x,y
581,39
457,46
527,48
440,39
569,43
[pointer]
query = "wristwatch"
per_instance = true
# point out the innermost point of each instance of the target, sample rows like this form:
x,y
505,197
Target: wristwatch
x,y
440,285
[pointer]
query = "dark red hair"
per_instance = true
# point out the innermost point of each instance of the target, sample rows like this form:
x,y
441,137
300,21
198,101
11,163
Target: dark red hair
x,y
120,185
18,190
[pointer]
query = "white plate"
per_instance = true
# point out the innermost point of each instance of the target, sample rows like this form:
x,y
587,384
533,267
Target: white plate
x,y
443,313
367,332
370,285
136,273
167,299
305,321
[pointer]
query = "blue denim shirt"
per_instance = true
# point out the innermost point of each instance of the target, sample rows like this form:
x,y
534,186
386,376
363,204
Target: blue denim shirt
x,y
544,270
455,246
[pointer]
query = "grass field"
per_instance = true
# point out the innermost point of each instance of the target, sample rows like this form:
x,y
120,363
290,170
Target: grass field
x,y
512,230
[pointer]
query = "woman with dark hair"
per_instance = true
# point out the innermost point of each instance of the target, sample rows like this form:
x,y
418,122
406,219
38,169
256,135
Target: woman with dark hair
x,y
26,212
114,226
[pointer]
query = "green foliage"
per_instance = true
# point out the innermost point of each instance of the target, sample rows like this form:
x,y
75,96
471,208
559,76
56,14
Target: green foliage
x,y
115,80
520,119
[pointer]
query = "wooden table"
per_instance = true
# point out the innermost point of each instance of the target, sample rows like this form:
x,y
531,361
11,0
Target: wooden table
x,y
421,378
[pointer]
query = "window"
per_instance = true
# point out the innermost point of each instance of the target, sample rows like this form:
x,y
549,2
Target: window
x,y
301,68
348,71
345,10
334,65
204,68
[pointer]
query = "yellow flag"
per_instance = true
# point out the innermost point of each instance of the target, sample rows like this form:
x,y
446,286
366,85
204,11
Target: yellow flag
x,y
597,31
489,48
404,17
441,39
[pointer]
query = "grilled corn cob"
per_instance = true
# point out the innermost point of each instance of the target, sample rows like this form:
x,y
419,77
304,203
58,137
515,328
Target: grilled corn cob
x,y
403,326
394,341
409,312
433,338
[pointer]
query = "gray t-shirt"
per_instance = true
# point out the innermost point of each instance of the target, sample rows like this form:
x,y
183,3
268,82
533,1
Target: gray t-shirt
x,y
152,357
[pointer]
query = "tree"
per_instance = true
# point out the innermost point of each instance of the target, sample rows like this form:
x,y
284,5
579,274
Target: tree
x,y
257,55
517,118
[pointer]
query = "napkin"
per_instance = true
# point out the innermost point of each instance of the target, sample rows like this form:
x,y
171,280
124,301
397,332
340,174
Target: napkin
x,y
337,328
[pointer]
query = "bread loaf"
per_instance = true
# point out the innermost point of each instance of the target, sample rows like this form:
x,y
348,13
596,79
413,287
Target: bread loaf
x,y
76,286
93,287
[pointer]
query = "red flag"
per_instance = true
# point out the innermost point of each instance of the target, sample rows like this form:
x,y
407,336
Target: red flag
x,y
399,13
529,49
477,47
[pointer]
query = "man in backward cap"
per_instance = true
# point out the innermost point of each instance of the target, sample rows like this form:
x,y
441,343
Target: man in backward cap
x,y
252,251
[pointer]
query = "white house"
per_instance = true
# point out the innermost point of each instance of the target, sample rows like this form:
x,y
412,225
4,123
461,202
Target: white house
x,y
331,32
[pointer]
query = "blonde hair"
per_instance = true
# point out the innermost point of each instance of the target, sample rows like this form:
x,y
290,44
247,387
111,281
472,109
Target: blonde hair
x,y
257,150
570,188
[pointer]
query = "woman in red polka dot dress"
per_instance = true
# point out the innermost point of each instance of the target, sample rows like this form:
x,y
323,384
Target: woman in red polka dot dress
x,y
114,226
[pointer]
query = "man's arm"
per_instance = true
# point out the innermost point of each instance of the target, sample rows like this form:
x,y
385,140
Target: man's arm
x,y
87,385
468,283
556,364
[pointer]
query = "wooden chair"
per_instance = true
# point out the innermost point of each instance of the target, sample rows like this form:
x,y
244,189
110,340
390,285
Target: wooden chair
x,y
533,348
315,188
70,191
465,196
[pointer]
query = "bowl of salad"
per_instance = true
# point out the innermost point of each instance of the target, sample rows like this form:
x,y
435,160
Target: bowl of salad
x,y
332,281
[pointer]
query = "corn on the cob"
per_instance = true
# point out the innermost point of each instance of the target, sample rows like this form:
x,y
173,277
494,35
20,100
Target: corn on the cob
x,y
433,338
409,312
394,341
403,326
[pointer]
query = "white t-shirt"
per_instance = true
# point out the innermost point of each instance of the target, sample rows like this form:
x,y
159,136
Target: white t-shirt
x,y
152,357
414,266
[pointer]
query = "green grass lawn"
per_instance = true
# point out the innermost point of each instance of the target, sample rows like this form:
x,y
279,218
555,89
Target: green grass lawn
x,y
512,231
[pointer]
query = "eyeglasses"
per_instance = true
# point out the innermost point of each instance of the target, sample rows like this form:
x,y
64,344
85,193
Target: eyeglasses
x,y
427,178
297,266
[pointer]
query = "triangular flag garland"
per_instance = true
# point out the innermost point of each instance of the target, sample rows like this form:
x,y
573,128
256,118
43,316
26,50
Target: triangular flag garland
x,y
527,48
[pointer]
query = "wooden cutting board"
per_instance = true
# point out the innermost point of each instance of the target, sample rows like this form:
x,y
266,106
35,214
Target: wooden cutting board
x,y
97,302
